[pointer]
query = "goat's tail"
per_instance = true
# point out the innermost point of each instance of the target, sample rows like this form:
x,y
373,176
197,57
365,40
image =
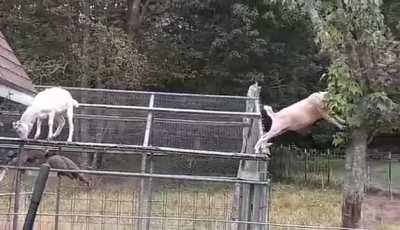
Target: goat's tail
x,y
75,103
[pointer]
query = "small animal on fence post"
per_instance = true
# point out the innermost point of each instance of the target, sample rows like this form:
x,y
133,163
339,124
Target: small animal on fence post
x,y
52,103
298,117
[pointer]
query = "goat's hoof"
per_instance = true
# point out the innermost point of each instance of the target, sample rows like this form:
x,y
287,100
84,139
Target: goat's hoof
x,y
268,144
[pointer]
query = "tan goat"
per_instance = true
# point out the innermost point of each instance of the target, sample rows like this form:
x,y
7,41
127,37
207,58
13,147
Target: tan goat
x,y
298,117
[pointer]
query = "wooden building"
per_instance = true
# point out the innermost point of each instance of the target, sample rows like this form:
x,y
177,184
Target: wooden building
x,y
15,84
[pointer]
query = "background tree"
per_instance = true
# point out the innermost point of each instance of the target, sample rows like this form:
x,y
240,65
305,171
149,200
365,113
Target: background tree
x,y
362,78
198,46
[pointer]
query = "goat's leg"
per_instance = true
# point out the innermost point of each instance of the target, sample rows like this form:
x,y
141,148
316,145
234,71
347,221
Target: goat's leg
x,y
70,114
333,121
61,123
51,122
3,173
266,137
38,128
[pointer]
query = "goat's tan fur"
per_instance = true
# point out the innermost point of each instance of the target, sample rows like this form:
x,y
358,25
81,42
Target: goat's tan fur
x,y
298,117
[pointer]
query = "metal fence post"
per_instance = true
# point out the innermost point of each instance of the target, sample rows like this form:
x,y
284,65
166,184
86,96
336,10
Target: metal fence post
x,y
390,175
144,208
329,167
17,190
305,165
40,185
57,198
57,203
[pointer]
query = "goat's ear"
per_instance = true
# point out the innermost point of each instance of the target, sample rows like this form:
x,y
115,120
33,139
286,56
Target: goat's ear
x,y
14,125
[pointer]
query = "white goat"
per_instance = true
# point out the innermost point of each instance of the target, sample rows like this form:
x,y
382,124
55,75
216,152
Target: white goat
x,y
298,117
52,103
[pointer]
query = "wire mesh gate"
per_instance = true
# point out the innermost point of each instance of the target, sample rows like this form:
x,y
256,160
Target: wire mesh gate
x,y
138,134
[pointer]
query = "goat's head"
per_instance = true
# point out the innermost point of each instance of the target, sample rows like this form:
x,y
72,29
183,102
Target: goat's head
x,y
22,129
324,98
323,95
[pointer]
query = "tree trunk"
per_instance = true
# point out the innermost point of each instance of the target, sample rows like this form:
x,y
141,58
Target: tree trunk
x,y
353,188
84,124
97,157
133,15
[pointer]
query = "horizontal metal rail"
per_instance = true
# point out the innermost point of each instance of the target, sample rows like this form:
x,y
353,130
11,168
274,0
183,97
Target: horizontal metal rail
x,y
25,193
151,92
73,150
135,149
148,175
159,109
286,226
143,119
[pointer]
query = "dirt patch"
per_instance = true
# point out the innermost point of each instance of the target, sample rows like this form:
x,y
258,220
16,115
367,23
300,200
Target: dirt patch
x,y
380,212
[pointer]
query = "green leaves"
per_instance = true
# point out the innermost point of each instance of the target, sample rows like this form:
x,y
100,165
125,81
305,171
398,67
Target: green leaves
x,y
353,35
340,139
345,93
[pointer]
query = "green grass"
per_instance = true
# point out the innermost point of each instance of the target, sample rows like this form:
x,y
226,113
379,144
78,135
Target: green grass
x,y
306,206
291,204
380,174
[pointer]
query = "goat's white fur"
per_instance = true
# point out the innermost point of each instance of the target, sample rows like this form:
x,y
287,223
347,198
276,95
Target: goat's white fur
x,y
3,173
298,117
52,103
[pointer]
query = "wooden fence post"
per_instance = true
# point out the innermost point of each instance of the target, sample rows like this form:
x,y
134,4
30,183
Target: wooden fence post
x,y
252,199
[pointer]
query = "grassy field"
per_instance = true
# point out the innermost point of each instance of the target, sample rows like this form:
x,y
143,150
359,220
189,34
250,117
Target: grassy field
x,y
306,206
82,208
321,173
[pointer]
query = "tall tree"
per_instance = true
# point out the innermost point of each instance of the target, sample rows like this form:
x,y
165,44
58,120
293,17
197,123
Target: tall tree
x,y
135,15
362,80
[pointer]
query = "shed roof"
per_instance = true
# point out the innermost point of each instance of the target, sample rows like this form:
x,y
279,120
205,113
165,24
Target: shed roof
x,y
12,73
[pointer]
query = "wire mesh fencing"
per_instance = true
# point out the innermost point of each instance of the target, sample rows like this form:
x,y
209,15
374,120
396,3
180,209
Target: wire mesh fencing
x,y
308,166
113,202
140,150
325,168
202,122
